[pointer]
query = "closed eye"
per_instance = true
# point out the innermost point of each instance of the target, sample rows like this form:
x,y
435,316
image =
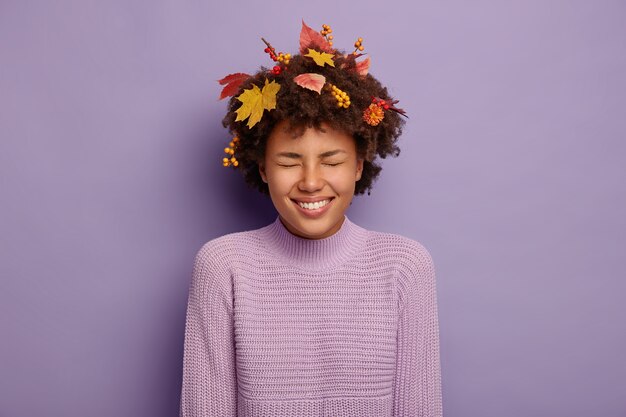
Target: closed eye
x,y
332,164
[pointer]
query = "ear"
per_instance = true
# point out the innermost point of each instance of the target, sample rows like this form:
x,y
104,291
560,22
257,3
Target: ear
x,y
359,168
262,172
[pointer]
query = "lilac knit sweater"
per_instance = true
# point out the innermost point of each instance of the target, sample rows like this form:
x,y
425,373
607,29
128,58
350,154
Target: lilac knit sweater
x,y
279,325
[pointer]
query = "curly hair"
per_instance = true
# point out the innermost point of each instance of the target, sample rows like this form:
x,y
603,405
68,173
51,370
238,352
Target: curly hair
x,y
304,108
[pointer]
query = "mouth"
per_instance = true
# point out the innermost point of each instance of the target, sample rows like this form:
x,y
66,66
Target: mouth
x,y
313,205
313,209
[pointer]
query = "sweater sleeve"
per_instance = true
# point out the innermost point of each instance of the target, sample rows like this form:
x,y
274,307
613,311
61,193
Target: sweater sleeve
x,y
417,384
209,385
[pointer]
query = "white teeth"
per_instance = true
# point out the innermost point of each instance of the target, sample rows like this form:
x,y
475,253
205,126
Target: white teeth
x,y
314,206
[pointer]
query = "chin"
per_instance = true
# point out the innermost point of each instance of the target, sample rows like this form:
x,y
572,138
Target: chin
x,y
312,229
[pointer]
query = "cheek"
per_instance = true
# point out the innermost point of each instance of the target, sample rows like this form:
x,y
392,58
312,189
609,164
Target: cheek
x,y
344,181
279,180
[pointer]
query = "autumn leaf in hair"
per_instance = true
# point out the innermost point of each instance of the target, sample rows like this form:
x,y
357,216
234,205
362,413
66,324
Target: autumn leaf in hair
x,y
363,67
232,83
321,58
311,81
397,109
255,101
310,38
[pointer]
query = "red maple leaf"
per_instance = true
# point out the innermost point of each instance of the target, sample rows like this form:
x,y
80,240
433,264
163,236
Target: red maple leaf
x,y
232,83
310,38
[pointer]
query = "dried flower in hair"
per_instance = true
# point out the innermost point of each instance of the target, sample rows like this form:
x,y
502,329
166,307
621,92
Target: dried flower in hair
x,y
373,115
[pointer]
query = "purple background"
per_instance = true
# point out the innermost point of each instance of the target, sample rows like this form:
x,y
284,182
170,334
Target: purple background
x,y
511,174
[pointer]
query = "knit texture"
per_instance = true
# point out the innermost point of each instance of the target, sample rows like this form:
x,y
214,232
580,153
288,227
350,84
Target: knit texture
x,y
345,326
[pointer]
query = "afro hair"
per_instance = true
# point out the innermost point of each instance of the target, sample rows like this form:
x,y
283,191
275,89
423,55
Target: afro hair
x,y
304,108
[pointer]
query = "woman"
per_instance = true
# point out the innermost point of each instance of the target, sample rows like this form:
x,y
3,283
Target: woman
x,y
311,315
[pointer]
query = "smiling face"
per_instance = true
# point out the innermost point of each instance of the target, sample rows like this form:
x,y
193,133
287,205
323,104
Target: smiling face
x,y
311,178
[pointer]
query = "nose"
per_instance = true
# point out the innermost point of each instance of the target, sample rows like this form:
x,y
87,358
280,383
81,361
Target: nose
x,y
311,179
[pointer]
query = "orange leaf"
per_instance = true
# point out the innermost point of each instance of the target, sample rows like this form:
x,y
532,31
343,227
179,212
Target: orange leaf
x,y
363,67
232,81
311,81
310,38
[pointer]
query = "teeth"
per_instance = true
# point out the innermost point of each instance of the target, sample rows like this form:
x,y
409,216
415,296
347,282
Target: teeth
x,y
313,206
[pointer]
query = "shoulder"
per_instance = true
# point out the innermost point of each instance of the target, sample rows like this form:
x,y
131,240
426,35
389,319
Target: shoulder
x,y
217,258
406,253
222,251
411,260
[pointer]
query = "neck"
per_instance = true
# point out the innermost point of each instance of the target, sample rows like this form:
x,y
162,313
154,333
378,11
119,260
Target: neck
x,y
315,254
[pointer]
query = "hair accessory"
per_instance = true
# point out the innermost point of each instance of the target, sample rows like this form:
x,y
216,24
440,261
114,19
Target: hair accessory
x,y
282,58
230,151
374,113
255,101
358,46
311,81
326,33
343,99
321,58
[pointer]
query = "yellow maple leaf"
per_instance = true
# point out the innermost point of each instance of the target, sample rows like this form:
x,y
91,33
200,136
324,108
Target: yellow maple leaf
x,y
321,58
251,103
269,94
255,101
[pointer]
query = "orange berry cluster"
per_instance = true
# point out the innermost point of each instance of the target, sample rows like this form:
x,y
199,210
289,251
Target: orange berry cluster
x,y
358,45
326,32
231,152
343,99
284,58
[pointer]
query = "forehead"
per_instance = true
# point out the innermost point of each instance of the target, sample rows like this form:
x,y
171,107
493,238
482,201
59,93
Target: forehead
x,y
303,138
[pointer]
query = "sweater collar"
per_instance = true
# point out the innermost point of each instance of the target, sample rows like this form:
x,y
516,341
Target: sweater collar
x,y
315,254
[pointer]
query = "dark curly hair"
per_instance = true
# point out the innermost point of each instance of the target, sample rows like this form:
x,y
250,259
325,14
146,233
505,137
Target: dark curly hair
x,y
304,108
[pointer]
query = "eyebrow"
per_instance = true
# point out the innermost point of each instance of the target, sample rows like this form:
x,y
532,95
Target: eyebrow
x,y
294,155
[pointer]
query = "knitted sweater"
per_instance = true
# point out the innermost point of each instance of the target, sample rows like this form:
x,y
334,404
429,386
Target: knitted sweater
x,y
345,326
